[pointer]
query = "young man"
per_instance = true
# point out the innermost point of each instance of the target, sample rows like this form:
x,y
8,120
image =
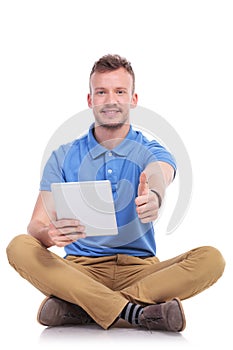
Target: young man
x,y
102,279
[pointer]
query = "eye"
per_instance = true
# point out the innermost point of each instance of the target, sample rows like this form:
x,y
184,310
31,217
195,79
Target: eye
x,y
120,92
100,92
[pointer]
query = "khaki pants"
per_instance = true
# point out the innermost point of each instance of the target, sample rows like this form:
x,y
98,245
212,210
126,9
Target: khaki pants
x,y
104,285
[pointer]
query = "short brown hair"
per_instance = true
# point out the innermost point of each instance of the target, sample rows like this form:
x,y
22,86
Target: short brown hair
x,y
109,63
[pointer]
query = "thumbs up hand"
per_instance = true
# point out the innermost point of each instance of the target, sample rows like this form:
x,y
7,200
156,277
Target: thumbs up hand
x,y
147,202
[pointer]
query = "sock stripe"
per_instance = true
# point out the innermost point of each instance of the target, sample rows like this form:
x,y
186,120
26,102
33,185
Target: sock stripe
x,y
131,312
122,315
136,313
127,311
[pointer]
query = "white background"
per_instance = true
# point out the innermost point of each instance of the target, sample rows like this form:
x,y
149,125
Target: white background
x,y
181,52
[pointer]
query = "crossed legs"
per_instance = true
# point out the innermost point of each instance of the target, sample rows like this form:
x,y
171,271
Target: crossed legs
x,y
103,286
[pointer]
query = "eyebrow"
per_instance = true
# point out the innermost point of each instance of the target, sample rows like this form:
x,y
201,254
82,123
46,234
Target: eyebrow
x,y
104,88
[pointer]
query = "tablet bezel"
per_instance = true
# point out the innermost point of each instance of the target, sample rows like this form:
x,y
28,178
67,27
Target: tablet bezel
x,y
91,202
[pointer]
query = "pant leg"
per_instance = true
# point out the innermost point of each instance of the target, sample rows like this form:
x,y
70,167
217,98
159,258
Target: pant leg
x,y
183,276
53,275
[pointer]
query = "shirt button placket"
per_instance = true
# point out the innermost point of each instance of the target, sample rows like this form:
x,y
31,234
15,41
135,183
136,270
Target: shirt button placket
x,y
109,169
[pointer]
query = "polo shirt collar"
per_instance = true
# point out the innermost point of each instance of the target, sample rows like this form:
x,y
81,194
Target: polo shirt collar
x,y
121,150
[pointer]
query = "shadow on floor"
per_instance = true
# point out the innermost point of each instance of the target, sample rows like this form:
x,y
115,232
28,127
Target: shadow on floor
x,y
121,332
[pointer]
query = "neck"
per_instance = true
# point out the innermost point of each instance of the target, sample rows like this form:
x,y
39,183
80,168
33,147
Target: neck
x,y
110,137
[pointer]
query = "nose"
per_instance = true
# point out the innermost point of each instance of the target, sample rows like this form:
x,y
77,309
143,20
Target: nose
x,y
111,98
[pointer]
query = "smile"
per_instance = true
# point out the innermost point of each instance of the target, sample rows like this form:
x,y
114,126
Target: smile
x,y
110,110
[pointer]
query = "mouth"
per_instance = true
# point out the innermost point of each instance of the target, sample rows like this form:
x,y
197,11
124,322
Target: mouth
x,y
110,111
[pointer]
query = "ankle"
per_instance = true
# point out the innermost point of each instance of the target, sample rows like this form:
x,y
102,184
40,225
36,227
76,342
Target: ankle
x,y
131,313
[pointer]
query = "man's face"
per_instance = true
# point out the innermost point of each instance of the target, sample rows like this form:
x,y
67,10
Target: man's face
x,y
111,97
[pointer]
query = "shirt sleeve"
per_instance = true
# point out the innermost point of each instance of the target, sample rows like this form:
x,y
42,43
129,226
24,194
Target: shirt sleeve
x,y
53,170
157,152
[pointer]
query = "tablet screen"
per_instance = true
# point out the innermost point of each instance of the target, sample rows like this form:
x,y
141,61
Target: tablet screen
x,y
90,202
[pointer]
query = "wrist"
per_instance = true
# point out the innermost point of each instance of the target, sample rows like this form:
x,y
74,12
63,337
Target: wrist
x,y
158,195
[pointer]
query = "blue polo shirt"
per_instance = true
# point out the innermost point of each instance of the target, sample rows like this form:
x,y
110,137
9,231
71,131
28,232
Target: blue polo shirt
x,y
85,159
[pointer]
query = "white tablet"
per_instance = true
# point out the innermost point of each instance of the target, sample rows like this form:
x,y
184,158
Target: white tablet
x,y
90,202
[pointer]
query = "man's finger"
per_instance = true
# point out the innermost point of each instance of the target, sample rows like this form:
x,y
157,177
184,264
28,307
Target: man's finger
x,y
140,200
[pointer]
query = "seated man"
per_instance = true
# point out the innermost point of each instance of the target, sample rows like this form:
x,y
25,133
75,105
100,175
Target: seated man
x,y
102,279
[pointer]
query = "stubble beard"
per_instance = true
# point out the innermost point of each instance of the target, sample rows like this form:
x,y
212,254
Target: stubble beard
x,y
113,126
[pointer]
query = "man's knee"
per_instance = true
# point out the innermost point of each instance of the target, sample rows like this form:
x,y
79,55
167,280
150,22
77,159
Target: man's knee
x,y
18,247
215,261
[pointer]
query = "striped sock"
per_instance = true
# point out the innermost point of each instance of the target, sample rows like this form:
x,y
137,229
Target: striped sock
x,y
131,313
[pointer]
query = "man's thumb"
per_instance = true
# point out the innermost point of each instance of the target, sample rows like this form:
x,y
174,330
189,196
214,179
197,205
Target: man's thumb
x,y
143,185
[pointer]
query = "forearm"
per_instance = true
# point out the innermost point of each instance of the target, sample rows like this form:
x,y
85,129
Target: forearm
x,y
39,230
159,176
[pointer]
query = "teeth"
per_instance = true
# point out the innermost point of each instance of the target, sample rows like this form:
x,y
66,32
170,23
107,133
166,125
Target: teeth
x,y
110,111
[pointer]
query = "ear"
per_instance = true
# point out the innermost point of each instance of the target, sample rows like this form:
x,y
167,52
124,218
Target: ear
x,y
134,101
89,100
